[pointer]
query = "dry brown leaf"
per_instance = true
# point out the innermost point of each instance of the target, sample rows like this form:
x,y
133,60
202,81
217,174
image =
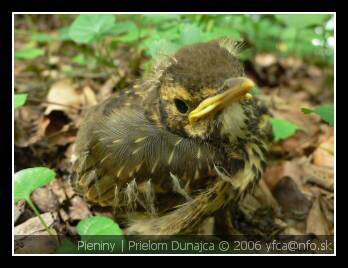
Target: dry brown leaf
x,y
274,173
69,191
291,62
324,154
316,221
31,236
265,60
106,89
34,226
28,126
291,199
58,190
319,175
78,209
18,210
308,126
64,215
89,96
64,95
45,199
62,92
327,206
38,244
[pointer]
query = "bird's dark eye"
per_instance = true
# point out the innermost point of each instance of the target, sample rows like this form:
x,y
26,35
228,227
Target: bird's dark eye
x,y
181,106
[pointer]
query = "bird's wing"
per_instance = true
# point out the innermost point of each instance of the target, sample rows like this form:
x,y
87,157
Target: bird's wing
x,y
115,148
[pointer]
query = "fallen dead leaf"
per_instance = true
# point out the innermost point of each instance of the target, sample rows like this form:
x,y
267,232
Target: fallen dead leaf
x,y
107,88
64,95
316,221
265,60
64,215
69,191
28,128
320,175
291,199
306,136
18,210
58,190
78,209
31,236
274,173
291,63
324,154
327,206
36,244
33,226
45,199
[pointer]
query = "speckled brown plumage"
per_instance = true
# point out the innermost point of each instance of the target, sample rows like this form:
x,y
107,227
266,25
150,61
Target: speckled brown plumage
x,y
161,172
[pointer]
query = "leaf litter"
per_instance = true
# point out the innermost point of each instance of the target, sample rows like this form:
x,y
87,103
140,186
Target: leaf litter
x,y
294,197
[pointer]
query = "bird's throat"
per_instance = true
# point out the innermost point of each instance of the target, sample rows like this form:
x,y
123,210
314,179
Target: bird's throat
x,y
232,121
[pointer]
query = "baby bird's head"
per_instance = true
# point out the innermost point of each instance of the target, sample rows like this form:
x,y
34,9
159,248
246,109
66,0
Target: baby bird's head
x,y
203,93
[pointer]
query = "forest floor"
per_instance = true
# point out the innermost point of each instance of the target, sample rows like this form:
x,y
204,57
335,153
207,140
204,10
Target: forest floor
x,y
295,196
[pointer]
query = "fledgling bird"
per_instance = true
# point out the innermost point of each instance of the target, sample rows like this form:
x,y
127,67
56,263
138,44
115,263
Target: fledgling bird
x,y
177,147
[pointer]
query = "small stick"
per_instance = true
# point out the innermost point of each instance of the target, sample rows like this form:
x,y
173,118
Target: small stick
x,y
55,103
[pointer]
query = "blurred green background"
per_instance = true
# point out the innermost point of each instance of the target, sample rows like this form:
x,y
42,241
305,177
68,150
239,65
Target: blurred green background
x,y
307,36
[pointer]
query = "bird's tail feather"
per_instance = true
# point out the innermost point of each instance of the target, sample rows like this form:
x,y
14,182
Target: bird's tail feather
x,y
186,217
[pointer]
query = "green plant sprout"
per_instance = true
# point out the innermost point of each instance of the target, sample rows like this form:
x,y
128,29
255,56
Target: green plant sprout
x,y
95,229
98,225
282,129
29,53
326,113
20,100
28,180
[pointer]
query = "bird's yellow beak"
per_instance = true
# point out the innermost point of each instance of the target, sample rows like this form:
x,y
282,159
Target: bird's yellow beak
x,y
240,88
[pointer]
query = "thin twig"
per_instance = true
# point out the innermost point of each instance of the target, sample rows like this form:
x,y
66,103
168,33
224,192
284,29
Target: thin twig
x,y
55,103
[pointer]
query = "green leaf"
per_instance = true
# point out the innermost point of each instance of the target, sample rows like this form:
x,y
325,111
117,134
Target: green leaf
x,y
28,180
132,36
172,34
19,100
289,34
63,34
29,53
42,37
160,19
67,247
98,225
191,34
79,59
162,46
307,110
222,32
282,129
303,20
99,229
326,112
123,27
87,29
